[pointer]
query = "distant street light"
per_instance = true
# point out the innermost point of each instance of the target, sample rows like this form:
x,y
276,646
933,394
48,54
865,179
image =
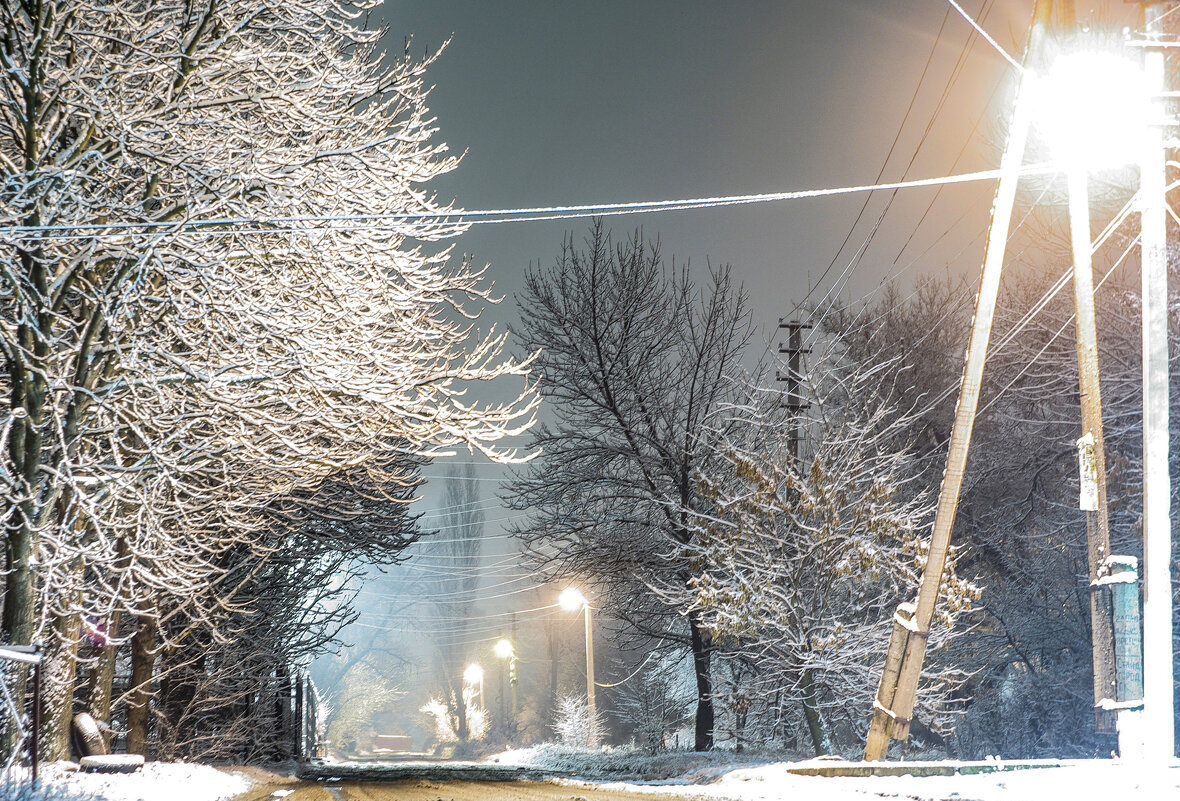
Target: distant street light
x,y
473,675
571,600
504,650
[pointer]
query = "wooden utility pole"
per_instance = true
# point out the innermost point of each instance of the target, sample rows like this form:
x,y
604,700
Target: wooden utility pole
x,y
591,706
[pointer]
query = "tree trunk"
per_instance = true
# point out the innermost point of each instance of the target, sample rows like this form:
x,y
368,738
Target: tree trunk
x,y
462,729
103,677
820,739
60,669
143,660
701,652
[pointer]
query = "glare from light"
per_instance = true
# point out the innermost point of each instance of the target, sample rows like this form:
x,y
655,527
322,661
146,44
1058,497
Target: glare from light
x,y
571,600
1093,109
473,674
503,649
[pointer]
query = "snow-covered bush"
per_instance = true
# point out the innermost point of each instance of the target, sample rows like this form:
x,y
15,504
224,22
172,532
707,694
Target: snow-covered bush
x,y
575,725
436,712
653,703
442,720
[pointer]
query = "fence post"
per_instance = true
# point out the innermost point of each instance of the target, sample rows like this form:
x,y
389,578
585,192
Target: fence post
x,y
300,725
36,739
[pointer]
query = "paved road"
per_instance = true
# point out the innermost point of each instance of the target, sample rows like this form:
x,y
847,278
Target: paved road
x,y
427,790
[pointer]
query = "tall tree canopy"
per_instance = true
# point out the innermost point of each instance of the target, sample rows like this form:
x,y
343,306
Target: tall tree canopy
x,y
171,377
640,365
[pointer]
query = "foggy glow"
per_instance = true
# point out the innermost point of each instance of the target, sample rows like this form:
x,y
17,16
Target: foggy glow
x,y
473,674
503,649
1093,109
571,600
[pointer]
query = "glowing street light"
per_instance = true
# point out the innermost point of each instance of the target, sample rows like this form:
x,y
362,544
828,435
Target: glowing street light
x,y
571,600
1086,132
1101,110
504,649
473,676
1093,109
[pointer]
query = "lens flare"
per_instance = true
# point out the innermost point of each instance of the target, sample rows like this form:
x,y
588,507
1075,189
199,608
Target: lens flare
x,y
1093,109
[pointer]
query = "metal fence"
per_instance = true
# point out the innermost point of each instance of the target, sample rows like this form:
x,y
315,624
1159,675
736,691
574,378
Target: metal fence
x,y
307,717
18,724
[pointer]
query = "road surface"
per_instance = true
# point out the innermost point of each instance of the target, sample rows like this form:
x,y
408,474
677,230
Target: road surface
x,y
429,790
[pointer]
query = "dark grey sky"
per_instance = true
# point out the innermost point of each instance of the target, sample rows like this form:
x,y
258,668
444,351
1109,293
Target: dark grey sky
x,y
574,102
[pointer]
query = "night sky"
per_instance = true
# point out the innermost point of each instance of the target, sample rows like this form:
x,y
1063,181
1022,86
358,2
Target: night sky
x,y
566,103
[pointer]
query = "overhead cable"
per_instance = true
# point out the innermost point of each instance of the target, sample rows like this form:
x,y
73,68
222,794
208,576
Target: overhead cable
x,y
234,226
1007,56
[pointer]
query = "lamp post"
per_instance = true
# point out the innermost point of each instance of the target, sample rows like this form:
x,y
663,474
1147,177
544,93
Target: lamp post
x,y
571,600
505,650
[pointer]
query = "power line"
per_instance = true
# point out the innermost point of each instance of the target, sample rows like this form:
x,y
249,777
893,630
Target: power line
x,y
1007,56
240,226
880,173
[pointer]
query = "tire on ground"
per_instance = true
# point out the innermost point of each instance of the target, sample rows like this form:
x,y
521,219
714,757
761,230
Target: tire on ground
x,y
89,738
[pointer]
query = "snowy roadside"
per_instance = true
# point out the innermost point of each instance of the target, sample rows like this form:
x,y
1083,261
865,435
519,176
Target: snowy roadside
x,y
1102,779
173,781
712,776
721,775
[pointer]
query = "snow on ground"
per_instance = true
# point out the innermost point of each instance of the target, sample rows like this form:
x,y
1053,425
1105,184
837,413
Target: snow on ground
x,y
172,781
1106,780
706,776
711,777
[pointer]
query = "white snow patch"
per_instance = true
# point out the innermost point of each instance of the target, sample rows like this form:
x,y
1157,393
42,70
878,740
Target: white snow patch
x,y
1102,779
156,780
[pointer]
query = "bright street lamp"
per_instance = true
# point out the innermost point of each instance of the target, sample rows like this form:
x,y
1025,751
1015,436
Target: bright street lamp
x,y
571,600
473,675
504,650
1093,109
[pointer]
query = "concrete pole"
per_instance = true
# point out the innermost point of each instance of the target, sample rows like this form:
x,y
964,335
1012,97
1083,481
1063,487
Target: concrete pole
x,y
590,705
1097,522
891,713
1157,525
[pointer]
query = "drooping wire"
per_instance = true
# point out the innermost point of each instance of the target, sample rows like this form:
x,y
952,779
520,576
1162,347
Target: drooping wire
x,y
1007,56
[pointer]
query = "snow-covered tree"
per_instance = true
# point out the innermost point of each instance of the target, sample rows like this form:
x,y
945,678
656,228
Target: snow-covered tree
x,y
457,550
575,725
171,377
800,561
640,363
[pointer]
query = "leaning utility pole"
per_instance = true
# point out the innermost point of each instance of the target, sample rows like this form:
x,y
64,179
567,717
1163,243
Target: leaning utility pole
x,y
894,703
